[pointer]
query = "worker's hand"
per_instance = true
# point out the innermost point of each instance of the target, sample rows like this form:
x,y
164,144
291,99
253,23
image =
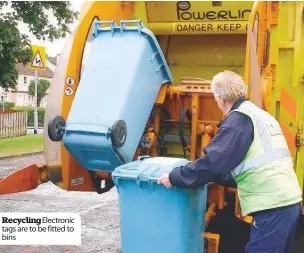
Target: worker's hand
x,y
165,181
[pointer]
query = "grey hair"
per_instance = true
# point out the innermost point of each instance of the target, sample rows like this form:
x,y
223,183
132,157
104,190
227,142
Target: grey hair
x,y
228,86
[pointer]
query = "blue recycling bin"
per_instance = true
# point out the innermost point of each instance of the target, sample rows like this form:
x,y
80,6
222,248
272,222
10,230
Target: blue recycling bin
x,y
115,96
155,219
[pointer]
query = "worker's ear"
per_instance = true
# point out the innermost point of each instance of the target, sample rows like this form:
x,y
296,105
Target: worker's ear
x,y
221,101
216,97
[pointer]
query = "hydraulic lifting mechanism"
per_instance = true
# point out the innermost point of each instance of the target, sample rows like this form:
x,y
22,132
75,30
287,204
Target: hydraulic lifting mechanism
x,y
141,92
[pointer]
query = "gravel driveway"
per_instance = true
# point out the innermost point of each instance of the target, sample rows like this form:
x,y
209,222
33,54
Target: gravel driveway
x,y
99,213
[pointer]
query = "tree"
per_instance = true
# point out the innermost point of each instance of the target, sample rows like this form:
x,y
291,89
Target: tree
x,y
42,87
14,46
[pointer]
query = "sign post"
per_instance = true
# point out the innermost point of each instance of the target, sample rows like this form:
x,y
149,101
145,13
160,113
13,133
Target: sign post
x,y
38,64
2,100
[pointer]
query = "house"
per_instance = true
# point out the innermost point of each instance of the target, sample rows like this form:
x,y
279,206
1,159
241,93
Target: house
x,y
20,96
51,62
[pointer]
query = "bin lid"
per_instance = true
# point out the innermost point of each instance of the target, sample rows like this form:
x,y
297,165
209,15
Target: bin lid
x,y
148,168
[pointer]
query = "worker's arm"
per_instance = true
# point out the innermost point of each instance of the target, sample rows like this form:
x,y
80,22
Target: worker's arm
x,y
223,154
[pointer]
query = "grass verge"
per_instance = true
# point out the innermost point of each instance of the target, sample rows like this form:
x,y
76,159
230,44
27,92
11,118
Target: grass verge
x,y
21,145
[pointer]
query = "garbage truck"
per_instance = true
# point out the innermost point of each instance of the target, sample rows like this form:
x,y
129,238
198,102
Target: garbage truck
x,y
133,81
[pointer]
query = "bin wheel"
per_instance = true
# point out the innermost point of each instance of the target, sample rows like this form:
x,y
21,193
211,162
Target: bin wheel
x,y
119,133
56,128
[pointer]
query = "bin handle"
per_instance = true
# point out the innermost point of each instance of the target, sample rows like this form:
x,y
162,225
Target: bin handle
x,y
140,25
123,26
98,28
143,157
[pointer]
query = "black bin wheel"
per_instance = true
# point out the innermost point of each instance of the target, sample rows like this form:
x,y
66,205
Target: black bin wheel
x,y
119,133
56,128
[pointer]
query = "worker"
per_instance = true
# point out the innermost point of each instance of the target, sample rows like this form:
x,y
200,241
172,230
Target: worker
x,y
251,147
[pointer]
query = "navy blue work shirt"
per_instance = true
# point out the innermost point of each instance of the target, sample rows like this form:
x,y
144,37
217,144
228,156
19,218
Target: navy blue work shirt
x,y
225,152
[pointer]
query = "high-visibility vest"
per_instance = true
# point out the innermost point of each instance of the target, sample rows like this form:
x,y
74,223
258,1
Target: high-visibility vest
x,y
265,178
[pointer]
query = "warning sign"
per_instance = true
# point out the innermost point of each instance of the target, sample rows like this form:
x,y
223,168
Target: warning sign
x,y
69,91
208,28
69,81
39,58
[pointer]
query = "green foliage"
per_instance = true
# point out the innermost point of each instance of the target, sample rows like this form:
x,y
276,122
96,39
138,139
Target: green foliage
x,y
14,46
7,105
42,87
30,114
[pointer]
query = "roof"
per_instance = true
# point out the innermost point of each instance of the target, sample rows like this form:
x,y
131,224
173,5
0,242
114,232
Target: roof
x,y
53,60
27,71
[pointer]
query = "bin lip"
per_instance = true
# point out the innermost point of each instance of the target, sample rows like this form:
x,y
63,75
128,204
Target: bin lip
x,y
148,169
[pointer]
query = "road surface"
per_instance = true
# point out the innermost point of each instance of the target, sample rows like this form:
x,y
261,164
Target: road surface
x,y
99,213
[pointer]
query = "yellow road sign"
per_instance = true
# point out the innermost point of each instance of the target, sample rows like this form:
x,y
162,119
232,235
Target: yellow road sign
x,y
39,58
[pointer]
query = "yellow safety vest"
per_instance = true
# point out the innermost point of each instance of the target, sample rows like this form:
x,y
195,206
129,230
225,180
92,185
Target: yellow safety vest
x,y
265,178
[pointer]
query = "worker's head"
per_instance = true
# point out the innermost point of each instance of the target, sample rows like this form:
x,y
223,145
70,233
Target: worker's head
x,y
227,87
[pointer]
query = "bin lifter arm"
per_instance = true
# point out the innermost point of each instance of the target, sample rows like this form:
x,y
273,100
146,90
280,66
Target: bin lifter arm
x,y
29,178
25,179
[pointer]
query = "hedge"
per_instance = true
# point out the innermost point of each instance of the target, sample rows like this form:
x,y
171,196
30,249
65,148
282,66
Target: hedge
x,y
7,105
30,114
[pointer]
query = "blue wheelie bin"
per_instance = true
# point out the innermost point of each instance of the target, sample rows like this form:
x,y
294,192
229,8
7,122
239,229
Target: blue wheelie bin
x,y
116,94
155,219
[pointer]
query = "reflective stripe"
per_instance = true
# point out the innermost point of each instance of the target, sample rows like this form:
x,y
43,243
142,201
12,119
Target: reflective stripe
x,y
264,135
257,161
264,131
